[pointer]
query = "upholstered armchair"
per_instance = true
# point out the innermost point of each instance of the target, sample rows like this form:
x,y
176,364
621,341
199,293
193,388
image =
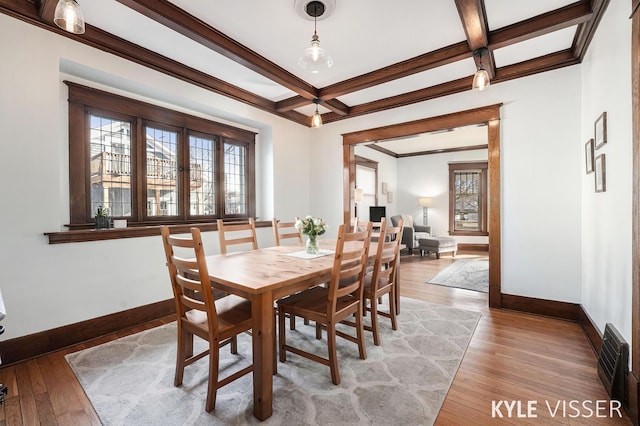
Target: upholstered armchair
x,y
411,232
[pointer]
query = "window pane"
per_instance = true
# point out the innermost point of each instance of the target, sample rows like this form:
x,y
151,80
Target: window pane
x,y
202,197
110,151
235,179
162,172
467,201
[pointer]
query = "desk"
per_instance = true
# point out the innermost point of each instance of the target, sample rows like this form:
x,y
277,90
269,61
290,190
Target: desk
x,y
264,276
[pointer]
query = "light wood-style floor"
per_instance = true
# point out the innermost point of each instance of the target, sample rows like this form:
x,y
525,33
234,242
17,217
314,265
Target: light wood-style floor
x,y
512,356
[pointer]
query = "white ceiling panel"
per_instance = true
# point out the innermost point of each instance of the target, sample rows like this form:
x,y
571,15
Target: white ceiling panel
x,y
535,47
501,13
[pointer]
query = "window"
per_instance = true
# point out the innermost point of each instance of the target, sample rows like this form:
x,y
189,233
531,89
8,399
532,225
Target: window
x,y
468,198
367,181
148,164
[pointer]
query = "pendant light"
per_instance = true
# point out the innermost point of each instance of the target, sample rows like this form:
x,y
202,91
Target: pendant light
x,y
316,120
481,80
68,16
315,58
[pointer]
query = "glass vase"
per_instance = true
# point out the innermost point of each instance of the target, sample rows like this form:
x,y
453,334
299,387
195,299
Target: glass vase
x,y
312,244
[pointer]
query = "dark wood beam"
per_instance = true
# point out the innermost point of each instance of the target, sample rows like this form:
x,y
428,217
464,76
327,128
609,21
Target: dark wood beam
x,y
587,29
107,42
171,16
427,61
46,9
546,23
474,21
445,150
291,103
382,150
522,69
336,106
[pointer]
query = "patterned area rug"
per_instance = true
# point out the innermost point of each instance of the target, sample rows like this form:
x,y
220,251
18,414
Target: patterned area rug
x,y
472,274
404,381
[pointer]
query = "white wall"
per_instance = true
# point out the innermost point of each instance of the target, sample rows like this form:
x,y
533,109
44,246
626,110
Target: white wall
x,y
606,217
47,286
388,173
540,169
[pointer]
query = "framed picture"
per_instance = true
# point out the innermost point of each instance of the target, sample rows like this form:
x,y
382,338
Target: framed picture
x,y
600,130
601,173
588,156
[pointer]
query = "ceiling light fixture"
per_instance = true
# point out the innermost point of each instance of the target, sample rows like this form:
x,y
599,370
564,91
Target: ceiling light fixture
x,y
316,120
315,58
481,80
68,16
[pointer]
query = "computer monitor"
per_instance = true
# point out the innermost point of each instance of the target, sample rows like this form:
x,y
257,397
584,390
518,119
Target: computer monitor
x,y
376,213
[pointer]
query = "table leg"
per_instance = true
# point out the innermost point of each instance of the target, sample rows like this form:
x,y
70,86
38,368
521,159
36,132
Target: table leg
x,y
262,313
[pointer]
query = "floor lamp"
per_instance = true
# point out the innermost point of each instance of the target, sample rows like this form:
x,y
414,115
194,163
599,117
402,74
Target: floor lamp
x,y
358,195
425,203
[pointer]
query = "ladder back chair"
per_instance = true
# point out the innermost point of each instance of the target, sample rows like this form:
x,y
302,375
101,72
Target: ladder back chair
x,y
218,322
242,233
329,305
382,279
285,230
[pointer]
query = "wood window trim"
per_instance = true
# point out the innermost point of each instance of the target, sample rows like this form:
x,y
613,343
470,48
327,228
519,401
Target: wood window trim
x,y
365,162
83,99
477,165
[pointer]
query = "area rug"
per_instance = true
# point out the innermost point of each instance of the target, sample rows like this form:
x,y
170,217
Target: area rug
x,y
404,381
472,274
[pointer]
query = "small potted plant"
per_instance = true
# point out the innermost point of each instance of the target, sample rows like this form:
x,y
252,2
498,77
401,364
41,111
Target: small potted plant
x,y
102,218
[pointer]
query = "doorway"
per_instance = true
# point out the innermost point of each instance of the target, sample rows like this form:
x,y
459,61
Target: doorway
x,y
488,115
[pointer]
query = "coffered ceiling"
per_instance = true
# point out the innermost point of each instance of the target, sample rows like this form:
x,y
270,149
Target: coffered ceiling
x,y
386,54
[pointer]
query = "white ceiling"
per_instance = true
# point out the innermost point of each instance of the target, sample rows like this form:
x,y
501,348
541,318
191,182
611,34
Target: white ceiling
x,y
360,35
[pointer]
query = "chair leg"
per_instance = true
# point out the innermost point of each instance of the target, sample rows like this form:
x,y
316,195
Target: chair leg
x,y
318,331
292,322
374,321
392,308
333,354
181,354
281,336
234,345
360,333
275,344
212,388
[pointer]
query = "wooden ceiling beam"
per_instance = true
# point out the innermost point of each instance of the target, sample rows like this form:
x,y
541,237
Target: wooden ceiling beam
x,y
474,21
171,16
291,103
427,61
541,64
546,23
587,29
46,9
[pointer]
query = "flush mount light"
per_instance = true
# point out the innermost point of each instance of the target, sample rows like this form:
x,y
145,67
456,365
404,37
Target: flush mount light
x,y
316,120
315,58
68,16
481,80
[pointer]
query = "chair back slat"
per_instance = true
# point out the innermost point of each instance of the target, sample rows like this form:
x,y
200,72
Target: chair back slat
x,y
284,231
387,256
247,228
190,277
350,260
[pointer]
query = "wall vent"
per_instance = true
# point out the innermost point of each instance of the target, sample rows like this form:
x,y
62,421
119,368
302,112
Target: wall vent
x,y
613,364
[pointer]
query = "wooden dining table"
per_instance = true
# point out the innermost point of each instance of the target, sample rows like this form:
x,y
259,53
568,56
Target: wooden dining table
x,y
264,276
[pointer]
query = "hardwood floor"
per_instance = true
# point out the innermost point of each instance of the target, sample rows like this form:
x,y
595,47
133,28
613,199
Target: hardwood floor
x,y
512,356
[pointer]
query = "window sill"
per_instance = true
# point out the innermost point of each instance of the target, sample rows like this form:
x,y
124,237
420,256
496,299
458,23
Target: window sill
x,y
469,233
82,235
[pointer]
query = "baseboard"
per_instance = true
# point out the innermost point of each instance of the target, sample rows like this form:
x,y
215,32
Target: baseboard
x,y
473,247
549,308
594,335
32,345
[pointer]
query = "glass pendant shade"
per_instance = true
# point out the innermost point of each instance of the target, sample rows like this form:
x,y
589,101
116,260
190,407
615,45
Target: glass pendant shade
x,y
316,120
68,16
314,58
481,80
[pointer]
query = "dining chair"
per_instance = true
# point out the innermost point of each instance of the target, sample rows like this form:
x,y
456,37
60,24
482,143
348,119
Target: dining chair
x,y
241,233
381,280
329,305
218,322
285,230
